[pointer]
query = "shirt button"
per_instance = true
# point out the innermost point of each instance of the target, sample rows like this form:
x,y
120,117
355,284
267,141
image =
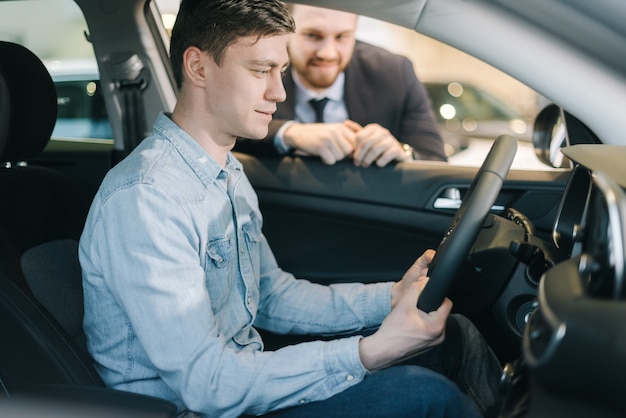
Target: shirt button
x,y
350,378
302,402
242,250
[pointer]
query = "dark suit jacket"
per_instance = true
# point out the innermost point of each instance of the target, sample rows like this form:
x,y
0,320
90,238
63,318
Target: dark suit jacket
x,y
380,87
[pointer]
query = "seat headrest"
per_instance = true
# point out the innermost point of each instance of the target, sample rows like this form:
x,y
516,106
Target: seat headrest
x,y
28,103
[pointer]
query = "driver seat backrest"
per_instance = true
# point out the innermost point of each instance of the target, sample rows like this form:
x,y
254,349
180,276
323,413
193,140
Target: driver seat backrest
x,y
42,213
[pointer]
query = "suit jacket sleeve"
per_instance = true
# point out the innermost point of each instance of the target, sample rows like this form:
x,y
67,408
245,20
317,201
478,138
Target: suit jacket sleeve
x,y
383,88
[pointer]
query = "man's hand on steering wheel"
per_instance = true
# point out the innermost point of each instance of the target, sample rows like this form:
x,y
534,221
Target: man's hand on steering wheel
x,y
406,331
417,272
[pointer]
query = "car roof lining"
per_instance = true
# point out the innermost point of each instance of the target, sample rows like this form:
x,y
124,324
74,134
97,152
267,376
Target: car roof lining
x,y
400,12
601,27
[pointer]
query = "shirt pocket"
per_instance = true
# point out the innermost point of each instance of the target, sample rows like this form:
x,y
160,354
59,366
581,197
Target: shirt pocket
x,y
219,275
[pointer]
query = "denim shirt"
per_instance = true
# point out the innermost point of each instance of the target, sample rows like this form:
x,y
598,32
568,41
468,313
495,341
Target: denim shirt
x,y
177,274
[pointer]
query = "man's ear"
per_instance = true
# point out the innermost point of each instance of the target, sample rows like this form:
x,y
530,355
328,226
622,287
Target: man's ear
x,y
194,65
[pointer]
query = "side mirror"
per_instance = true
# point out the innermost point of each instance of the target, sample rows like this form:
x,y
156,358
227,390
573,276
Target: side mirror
x,y
549,136
554,129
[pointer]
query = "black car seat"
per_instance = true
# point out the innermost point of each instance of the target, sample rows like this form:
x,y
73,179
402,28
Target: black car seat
x,y
38,204
42,210
42,213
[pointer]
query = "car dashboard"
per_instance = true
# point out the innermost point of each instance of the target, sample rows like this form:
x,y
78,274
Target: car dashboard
x,y
574,343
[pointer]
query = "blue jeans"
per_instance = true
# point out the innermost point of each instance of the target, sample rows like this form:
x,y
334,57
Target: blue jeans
x,y
458,378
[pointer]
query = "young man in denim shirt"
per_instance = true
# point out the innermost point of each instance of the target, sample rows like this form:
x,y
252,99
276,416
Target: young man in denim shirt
x,y
177,273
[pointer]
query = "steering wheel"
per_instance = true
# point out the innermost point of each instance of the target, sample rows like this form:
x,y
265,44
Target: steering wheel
x,y
468,220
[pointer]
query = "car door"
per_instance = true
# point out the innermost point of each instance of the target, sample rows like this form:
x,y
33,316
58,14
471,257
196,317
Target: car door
x,y
343,223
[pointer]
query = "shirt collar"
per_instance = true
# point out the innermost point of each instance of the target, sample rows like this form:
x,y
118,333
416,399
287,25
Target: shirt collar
x,y
334,92
205,167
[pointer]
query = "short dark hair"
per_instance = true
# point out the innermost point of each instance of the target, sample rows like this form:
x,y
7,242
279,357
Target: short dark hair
x,y
213,25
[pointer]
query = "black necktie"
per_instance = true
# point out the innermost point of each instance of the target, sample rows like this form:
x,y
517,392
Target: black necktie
x,y
318,106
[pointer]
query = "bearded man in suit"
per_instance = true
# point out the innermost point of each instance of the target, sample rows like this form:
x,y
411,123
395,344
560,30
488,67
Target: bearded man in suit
x,y
348,99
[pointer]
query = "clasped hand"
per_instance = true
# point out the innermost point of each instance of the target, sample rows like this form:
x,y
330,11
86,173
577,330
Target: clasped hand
x,y
333,142
406,331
